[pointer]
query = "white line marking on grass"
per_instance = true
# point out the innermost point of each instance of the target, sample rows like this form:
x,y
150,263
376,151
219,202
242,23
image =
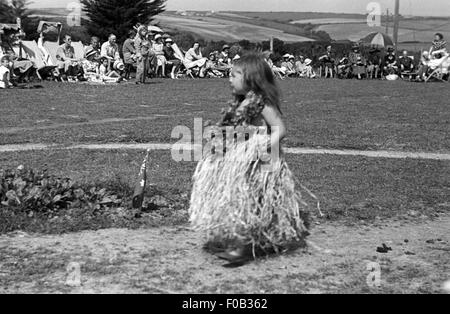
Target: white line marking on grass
x,y
26,147
187,146
365,153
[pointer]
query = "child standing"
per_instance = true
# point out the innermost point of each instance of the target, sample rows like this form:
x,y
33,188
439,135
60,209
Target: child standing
x,y
4,72
244,208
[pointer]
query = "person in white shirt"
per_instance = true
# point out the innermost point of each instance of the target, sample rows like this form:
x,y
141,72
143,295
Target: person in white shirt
x,y
4,72
158,49
110,50
194,58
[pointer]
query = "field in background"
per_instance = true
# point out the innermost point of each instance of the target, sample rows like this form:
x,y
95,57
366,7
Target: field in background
x,y
421,31
229,29
415,33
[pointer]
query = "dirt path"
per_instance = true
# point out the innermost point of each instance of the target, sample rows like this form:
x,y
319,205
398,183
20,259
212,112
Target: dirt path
x,y
289,150
170,260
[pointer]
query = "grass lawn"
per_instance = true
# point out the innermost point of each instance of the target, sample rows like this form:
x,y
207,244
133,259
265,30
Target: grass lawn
x,y
350,189
319,113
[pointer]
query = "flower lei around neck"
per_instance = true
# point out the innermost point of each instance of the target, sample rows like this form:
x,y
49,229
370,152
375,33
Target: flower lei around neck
x,y
237,115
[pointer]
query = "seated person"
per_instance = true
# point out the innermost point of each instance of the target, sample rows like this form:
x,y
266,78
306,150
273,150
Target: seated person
x,y
22,70
224,60
423,66
194,59
224,56
309,69
373,63
287,65
92,51
69,65
110,50
212,66
344,68
300,66
328,61
406,64
158,49
172,60
5,72
439,46
390,63
358,62
105,73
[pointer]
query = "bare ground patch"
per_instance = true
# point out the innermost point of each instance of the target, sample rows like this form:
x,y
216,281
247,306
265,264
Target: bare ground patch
x,y
171,260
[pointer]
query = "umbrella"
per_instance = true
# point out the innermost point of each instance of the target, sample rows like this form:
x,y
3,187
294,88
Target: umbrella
x,y
377,40
155,29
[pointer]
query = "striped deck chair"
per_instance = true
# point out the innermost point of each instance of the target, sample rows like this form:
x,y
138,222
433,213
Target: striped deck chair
x,y
30,50
52,48
180,56
440,67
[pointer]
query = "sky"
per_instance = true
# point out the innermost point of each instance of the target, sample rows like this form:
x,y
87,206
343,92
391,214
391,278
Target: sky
x,y
407,7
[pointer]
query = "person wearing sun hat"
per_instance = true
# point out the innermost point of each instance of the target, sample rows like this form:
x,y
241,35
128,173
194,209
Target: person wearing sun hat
x,y
172,60
390,66
224,60
358,62
309,69
158,49
213,69
287,65
224,56
92,51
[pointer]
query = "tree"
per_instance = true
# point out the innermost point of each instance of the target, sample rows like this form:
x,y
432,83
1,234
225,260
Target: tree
x,y
19,9
5,12
9,13
118,17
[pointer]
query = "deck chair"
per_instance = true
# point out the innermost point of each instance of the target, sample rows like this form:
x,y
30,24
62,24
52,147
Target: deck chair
x,y
31,51
52,48
184,69
440,68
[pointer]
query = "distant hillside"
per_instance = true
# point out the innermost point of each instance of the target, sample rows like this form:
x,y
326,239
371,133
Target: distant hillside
x,y
51,12
230,27
287,26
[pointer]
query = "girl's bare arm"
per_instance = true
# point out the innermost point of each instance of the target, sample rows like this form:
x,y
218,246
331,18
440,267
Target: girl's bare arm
x,y
273,118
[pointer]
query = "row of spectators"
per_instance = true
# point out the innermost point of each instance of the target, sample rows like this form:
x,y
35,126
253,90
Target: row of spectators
x,y
355,64
146,53
151,54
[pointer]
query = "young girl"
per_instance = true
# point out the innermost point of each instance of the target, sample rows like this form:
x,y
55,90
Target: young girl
x,y
244,207
107,76
5,72
142,46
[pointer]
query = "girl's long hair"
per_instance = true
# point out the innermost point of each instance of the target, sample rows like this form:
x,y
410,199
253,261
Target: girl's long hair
x,y
259,78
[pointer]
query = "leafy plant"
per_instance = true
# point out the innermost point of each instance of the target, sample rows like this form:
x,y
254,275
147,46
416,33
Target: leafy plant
x,y
26,190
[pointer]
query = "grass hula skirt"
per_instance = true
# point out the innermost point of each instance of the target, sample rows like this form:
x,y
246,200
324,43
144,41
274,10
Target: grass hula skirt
x,y
236,201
